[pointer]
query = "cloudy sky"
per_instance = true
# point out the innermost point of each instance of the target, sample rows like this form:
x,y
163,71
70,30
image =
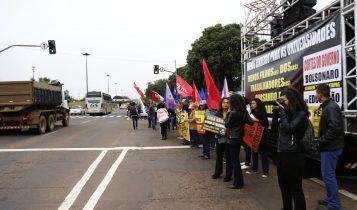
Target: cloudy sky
x,y
125,38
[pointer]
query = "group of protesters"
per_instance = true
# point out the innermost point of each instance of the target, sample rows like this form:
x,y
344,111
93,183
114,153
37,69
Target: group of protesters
x,y
290,119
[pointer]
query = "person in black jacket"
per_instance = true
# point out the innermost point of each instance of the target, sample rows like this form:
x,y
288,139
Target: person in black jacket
x,y
259,114
234,122
293,114
222,148
331,143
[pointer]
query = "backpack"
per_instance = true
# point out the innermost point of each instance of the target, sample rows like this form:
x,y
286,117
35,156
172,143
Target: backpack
x,y
134,112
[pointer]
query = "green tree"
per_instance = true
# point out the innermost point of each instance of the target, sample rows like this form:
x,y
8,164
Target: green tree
x,y
220,46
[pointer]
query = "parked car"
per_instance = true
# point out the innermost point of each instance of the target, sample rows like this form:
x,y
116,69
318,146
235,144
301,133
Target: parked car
x,y
76,110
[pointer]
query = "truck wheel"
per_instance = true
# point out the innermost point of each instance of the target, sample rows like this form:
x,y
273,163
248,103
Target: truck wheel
x,y
65,120
41,128
50,123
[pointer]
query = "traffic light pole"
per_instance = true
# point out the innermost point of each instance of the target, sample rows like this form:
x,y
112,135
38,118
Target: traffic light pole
x,y
19,45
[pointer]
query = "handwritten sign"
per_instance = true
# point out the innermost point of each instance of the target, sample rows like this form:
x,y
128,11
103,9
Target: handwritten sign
x,y
253,135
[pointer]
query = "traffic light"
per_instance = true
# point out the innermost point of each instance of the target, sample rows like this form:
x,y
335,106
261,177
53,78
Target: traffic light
x,y
52,46
156,69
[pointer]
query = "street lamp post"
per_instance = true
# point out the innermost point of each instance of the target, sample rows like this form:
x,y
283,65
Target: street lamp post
x,y
33,73
86,55
115,88
108,75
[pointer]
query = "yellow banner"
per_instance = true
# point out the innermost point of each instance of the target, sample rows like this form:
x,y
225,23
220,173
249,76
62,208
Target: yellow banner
x,y
200,120
183,125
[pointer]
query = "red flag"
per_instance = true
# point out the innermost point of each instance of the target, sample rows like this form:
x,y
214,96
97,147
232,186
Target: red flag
x,y
213,93
196,96
139,91
156,97
183,88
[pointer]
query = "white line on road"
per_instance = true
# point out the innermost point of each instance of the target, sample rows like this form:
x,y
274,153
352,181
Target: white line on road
x,y
93,200
72,196
92,149
50,133
84,122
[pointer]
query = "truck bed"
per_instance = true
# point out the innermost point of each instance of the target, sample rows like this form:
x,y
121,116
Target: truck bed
x,y
24,93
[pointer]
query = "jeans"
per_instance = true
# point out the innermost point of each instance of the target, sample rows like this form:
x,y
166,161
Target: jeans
x,y
234,150
149,122
264,156
206,144
194,138
248,154
135,122
153,122
328,166
290,168
222,150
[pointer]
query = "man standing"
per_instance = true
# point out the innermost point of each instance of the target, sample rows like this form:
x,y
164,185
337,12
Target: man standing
x,y
331,143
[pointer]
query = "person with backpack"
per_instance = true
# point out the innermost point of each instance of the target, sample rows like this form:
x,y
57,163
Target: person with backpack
x,y
331,143
236,118
259,115
134,115
291,117
163,118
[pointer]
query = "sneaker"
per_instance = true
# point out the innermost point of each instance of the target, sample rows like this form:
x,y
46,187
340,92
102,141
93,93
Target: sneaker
x,y
265,176
244,167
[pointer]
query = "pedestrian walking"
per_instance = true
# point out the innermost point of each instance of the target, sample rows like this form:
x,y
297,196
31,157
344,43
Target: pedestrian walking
x,y
134,115
291,110
222,148
331,143
150,114
163,118
236,118
259,115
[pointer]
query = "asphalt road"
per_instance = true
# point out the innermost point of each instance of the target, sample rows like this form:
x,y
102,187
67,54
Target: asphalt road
x,y
101,163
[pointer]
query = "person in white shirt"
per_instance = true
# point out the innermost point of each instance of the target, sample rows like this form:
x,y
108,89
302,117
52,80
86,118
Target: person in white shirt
x,y
163,118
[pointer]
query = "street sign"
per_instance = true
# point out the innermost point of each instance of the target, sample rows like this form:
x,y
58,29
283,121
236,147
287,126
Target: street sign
x,y
44,45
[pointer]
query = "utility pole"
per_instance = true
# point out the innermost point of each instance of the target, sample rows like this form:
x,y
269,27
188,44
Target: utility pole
x,y
33,73
108,75
86,55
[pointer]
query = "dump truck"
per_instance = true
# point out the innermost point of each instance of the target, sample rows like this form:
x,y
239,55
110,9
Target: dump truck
x,y
31,105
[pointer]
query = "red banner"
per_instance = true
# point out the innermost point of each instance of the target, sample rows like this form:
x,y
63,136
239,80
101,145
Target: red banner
x,y
253,135
214,97
196,96
183,88
139,91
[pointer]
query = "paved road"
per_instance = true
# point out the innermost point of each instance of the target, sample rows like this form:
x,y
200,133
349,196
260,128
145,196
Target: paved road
x,y
101,163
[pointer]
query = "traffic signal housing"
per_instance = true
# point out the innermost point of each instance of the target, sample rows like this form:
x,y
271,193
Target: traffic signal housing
x,y
52,46
156,69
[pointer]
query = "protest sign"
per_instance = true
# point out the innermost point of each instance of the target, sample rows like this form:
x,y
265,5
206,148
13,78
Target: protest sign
x,y
252,135
214,124
200,119
183,125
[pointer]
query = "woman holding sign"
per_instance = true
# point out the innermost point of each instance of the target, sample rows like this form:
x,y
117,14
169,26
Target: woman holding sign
x,y
223,147
259,115
236,118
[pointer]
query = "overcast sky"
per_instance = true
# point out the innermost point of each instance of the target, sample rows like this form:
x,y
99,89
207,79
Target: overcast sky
x,y
125,38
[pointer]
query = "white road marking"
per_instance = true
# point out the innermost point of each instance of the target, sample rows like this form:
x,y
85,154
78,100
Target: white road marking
x,y
72,196
343,192
93,200
91,149
84,122
50,133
